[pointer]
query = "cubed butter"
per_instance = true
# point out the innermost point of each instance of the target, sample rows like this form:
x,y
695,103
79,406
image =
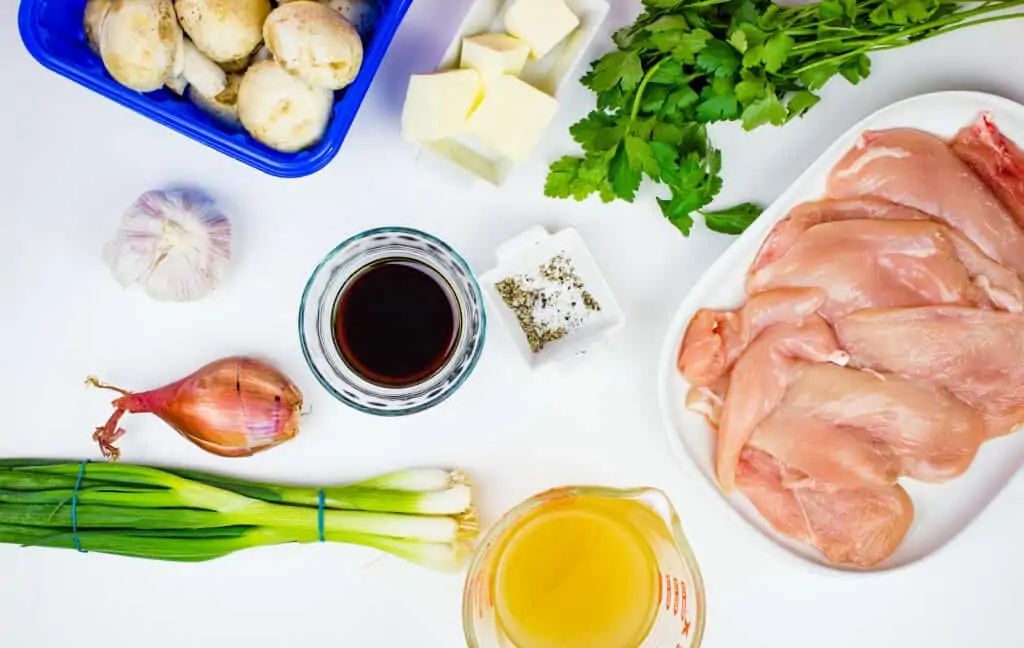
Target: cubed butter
x,y
512,118
541,23
437,106
494,55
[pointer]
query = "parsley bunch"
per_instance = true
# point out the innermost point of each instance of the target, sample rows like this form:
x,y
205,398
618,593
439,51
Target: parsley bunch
x,y
687,63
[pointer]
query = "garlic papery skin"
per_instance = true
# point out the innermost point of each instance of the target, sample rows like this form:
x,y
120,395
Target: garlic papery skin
x,y
174,244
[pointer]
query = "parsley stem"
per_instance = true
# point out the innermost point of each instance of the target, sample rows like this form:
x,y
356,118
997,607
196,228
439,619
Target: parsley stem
x,y
939,26
980,21
642,87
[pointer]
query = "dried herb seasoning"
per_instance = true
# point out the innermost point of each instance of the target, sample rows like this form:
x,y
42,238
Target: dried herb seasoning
x,y
548,303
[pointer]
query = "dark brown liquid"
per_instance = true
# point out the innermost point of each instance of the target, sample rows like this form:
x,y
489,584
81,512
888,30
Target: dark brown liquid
x,y
396,322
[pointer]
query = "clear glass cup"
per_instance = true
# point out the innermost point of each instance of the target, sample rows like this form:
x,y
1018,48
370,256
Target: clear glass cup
x,y
320,299
679,619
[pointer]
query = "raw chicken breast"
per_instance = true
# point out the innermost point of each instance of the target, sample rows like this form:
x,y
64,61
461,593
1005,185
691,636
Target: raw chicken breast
x,y
806,215
888,263
859,526
976,355
759,380
902,427
828,456
716,338
997,161
917,169
708,400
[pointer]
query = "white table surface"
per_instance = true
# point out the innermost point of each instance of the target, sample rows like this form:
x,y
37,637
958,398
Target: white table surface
x,y
71,161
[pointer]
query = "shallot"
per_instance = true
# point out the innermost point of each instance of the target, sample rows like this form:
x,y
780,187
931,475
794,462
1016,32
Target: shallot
x,y
234,407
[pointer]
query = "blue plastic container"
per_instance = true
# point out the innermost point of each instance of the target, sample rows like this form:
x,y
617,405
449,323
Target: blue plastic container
x,y
53,33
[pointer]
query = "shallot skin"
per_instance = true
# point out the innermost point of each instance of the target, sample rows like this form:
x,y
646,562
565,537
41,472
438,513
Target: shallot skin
x,y
233,407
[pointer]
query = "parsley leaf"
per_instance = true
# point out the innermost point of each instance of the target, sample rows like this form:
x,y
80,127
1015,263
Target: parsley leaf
x,y
677,211
830,10
640,156
671,21
617,68
856,69
776,51
690,44
800,102
596,132
718,102
679,100
624,177
766,110
738,39
654,99
733,220
749,89
815,78
561,176
718,58
754,56
667,157
670,72
755,35
668,134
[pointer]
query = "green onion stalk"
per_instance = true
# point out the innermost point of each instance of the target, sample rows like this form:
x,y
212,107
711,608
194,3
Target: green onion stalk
x,y
422,515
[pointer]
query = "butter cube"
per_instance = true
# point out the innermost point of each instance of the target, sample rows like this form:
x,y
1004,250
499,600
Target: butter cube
x,y
437,106
512,118
494,55
541,23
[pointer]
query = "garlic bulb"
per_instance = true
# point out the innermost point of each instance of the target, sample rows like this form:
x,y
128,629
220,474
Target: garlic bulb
x,y
174,244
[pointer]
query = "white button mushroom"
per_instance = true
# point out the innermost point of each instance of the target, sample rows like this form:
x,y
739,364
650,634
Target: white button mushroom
x,y
141,43
363,14
315,42
95,12
224,30
224,106
202,73
281,110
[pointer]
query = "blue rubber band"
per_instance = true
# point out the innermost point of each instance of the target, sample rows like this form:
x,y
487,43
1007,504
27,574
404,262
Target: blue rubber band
x,y
74,508
320,517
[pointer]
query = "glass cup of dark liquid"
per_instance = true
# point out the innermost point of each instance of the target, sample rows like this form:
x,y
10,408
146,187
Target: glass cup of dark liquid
x,y
392,321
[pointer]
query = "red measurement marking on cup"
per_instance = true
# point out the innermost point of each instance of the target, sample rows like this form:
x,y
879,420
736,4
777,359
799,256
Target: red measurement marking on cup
x,y
675,597
676,601
481,595
682,610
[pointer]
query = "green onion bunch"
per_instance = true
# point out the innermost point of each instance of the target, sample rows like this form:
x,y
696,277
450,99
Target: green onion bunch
x,y
422,515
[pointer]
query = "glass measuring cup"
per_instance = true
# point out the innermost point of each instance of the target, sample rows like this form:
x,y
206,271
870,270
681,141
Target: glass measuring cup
x,y
676,617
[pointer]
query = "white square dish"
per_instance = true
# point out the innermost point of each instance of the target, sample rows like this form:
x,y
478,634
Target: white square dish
x,y
529,251
549,75
942,510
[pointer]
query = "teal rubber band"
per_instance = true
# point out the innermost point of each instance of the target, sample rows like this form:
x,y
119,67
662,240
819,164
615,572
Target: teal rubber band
x,y
74,509
320,516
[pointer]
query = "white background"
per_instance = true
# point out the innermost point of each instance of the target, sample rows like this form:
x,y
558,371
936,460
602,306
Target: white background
x,y
71,161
